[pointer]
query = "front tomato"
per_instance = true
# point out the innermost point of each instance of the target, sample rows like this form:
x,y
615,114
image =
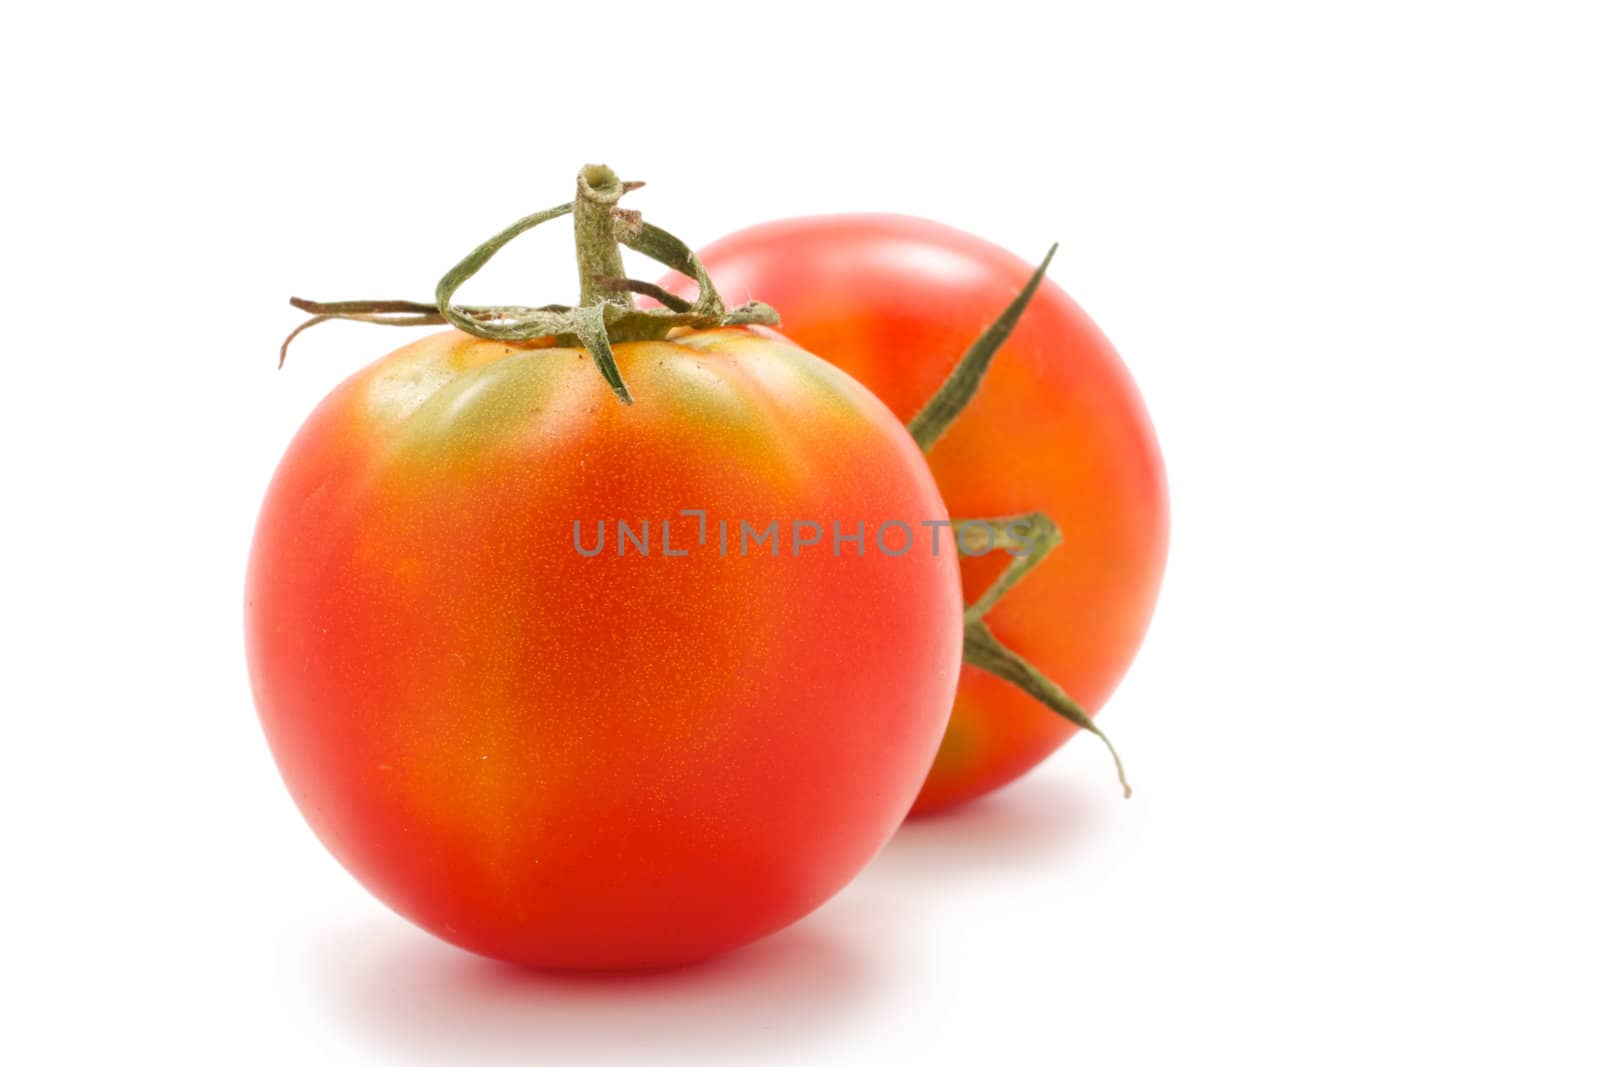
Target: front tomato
x,y
627,757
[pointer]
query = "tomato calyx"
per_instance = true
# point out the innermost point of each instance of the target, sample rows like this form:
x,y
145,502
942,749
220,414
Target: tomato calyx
x,y
605,313
1030,537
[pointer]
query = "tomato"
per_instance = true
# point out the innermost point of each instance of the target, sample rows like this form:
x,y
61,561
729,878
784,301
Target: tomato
x,y
576,758
1057,426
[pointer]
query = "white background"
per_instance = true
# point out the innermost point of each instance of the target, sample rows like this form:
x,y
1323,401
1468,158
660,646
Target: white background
x,y
1350,254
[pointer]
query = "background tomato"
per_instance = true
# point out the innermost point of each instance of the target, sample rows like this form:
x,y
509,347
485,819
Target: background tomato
x,y
1057,426
604,761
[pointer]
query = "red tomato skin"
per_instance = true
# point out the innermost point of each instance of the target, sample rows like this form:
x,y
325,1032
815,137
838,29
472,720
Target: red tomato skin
x,y
608,761
1057,425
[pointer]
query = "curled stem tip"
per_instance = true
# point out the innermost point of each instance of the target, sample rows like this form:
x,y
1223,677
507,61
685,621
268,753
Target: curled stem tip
x,y
984,651
378,312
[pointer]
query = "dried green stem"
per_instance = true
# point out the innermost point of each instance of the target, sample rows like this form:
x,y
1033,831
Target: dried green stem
x,y
1029,537
379,312
652,290
594,228
929,424
984,651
